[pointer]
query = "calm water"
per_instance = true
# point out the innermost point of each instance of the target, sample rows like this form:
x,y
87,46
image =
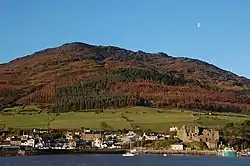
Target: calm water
x,y
118,160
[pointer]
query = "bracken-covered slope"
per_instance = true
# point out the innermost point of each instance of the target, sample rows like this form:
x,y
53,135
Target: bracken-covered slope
x,y
81,76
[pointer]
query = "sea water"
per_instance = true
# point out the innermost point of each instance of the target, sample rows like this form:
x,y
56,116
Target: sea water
x,y
119,160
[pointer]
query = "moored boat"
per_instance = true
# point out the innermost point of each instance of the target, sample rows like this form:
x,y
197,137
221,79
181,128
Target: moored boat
x,y
128,154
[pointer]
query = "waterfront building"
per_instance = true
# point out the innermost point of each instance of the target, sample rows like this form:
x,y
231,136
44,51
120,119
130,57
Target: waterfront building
x,y
177,147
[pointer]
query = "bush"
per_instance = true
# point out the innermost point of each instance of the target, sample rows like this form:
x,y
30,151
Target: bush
x,y
105,126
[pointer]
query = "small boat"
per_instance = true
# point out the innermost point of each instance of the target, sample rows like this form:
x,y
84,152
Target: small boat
x,y
165,155
128,154
248,154
131,152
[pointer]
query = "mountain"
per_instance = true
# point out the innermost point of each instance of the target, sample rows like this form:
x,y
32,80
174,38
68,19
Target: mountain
x,y
82,76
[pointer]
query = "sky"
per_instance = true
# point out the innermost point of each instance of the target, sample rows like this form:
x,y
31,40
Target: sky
x,y
168,26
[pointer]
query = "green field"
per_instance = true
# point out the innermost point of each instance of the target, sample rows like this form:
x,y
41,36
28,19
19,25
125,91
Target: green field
x,y
129,118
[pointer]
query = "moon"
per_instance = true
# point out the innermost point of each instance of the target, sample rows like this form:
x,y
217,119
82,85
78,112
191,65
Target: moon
x,y
198,24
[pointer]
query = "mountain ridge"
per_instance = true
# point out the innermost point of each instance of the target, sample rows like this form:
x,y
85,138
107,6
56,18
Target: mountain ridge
x,y
120,48
72,64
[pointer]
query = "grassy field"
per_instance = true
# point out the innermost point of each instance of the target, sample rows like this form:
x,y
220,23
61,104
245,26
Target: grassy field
x,y
129,118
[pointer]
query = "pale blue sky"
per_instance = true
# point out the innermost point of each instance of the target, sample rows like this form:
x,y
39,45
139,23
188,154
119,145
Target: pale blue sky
x,y
168,26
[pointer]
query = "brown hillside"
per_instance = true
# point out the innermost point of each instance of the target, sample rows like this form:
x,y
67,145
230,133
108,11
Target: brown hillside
x,y
82,76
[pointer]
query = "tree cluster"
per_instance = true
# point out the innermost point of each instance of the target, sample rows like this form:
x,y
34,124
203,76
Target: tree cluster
x,y
237,135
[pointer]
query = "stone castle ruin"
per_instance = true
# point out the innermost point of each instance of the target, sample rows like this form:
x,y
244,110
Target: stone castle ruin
x,y
197,134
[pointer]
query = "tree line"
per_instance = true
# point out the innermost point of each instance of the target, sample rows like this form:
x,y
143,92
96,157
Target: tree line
x,y
132,87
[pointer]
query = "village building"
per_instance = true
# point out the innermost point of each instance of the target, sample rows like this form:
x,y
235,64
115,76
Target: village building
x,y
15,141
129,137
91,136
177,147
28,142
173,129
69,135
150,136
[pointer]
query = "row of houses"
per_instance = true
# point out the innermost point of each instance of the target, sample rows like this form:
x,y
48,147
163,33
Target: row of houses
x,y
87,138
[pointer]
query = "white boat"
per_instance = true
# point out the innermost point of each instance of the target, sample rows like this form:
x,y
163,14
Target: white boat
x,y
128,154
131,153
165,155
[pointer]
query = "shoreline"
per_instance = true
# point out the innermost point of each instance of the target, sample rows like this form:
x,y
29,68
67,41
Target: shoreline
x,y
37,152
183,152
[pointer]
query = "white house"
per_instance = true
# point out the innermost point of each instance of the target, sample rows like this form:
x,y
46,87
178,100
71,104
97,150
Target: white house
x,y
40,131
69,136
8,138
29,142
131,134
177,147
173,129
87,131
98,144
150,137
77,133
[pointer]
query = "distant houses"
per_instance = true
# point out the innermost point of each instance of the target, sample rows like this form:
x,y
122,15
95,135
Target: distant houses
x,y
87,138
